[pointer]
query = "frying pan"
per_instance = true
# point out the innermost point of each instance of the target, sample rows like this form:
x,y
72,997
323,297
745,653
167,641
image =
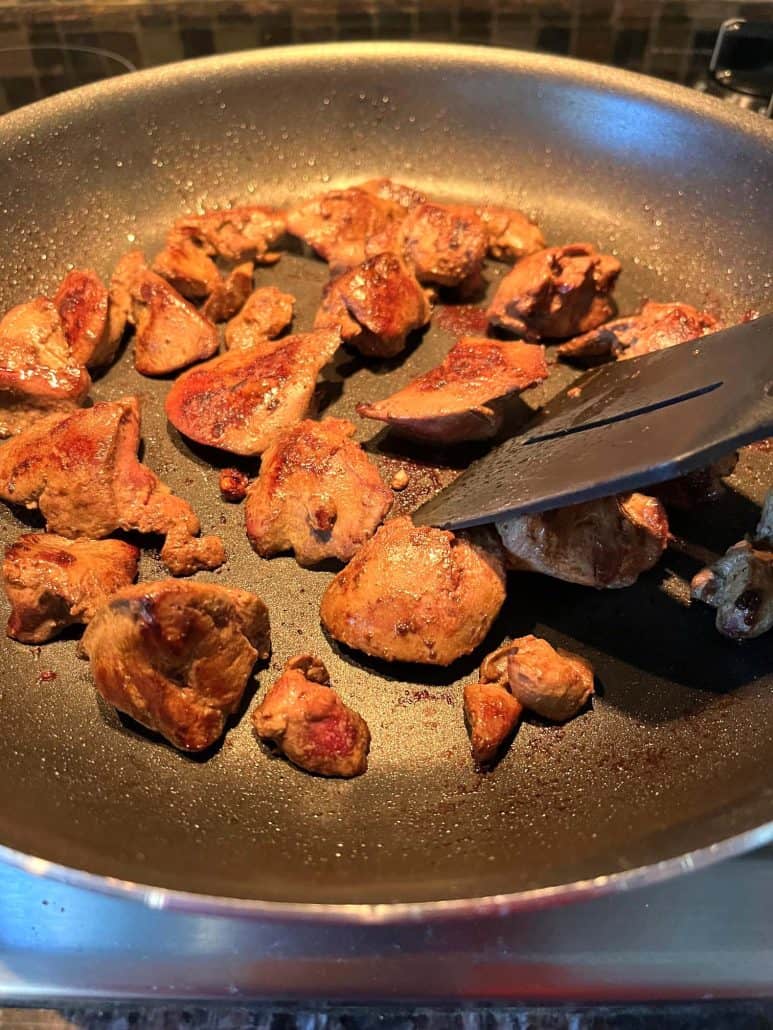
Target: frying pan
x,y
672,766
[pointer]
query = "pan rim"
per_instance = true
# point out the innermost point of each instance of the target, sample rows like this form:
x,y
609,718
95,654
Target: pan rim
x,y
80,102
607,77
397,912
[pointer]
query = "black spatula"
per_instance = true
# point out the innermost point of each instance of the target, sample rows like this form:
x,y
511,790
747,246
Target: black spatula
x,y
631,424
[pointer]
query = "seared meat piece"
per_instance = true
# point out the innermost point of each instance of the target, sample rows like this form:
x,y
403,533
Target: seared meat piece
x,y
248,231
177,656
82,303
81,471
130,267
527,673
763,535
443,243
492,715
170,332
38,374
490,710
552,682
655,327
318,494
187,267
464,397
556,293
493,668
670,325
511,233
52,582
604,543
233,485
398,192
740,586
415,594
702,486
240,400
229,296
309,723
375,306
337,224
266,313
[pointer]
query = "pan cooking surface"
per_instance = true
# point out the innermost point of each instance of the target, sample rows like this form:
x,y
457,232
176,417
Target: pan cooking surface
x,y
677,750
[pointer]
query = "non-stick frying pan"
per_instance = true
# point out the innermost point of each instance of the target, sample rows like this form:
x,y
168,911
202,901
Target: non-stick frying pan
x,y
672,766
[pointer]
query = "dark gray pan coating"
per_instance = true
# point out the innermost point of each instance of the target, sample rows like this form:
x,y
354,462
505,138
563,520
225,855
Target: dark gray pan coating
x,y
677,753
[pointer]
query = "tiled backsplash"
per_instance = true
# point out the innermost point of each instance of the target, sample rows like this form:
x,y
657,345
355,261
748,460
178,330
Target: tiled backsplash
x,y
39,42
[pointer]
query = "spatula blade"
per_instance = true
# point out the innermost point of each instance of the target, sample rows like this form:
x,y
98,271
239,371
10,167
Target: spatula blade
x,y
632,423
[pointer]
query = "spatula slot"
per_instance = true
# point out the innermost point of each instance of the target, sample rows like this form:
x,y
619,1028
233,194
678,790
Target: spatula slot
x,y
666,402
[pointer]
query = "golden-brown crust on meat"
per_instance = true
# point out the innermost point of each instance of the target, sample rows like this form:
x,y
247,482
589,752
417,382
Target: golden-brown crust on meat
x,y
38,374
187,268
230,295
53,582
654,327
170,332
415,594
556,293
318,494
177,656
233,485
375,306
457,400
338,224
247,231
82,302
240,400
81,471
550,681
306,719
492,715
444,244
265,314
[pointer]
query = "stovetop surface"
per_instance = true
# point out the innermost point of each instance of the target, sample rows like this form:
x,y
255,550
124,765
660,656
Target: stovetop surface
x,y
708,935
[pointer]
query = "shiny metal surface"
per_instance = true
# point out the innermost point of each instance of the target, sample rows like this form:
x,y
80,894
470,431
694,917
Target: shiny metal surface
x,y
701,937
392,913
672,767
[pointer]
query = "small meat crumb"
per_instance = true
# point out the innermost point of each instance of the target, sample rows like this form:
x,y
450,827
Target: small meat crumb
x,y
233,485
47,676
400,480
574,392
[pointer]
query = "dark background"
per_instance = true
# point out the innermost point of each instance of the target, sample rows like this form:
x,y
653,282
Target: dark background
x,y
669,39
